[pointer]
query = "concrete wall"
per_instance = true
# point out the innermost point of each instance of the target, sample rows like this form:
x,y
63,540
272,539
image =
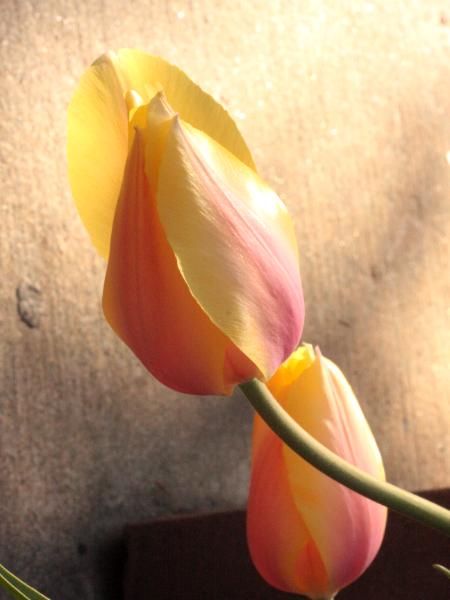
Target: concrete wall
x,y
346,109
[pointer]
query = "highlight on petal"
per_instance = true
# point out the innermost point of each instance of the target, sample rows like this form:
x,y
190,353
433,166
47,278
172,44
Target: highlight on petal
x,y
234,243
148,304
342,531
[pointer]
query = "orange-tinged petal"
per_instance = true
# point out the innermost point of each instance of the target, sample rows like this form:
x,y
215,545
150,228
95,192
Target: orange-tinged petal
x,y
273,516
235,245
345,530
149,305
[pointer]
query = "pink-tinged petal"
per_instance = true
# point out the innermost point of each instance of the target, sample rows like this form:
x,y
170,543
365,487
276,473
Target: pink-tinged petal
x,y
343,529
149,305
234,243
280,545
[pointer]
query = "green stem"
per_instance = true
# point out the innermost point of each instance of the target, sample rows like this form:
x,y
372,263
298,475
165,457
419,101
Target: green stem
x,y
442,570
16,588
337,468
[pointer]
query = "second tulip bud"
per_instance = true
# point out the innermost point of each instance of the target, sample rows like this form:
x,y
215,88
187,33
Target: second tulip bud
x,y
308,534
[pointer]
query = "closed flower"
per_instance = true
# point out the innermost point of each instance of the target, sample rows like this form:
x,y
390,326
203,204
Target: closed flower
x,y
202,280
308,534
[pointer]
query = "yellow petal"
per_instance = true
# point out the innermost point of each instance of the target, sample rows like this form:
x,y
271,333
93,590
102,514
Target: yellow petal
x,y
97,143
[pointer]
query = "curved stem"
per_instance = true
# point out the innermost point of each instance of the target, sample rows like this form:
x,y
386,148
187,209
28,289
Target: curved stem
x,y
338,469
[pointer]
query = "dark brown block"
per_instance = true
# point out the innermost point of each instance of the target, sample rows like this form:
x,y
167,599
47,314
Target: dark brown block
x,y
204,556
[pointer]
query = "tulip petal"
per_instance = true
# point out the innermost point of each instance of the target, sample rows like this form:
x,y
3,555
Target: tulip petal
x,y
234,243
148,304
97,145
322,402
280,544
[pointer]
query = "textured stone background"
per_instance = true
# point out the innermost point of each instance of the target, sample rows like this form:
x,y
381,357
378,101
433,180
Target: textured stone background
x,y
346,108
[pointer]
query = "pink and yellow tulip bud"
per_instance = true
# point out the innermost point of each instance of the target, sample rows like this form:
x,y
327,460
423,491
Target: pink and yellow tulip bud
x,y
203,280
308,534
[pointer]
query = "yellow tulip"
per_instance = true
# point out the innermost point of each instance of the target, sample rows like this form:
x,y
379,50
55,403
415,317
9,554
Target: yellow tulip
x,y
308,534
202,281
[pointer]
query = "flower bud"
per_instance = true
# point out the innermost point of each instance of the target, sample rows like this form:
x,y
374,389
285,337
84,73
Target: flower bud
x,y
308,534
203,281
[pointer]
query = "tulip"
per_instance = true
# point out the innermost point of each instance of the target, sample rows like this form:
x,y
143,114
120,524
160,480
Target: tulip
x,y
202,280
308,534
